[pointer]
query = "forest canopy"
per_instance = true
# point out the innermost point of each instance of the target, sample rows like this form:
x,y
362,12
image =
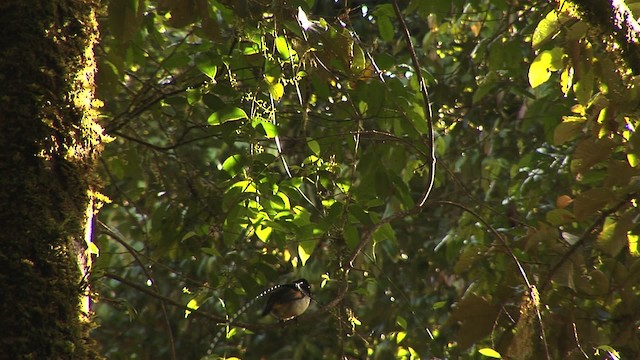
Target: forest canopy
x,y
455,179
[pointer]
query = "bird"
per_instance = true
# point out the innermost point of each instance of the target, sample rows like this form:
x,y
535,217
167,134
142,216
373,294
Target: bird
x,y
289,300
286,301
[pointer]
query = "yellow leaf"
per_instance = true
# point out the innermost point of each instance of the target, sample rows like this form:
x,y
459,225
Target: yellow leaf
x,y
633,244
488,352
276,90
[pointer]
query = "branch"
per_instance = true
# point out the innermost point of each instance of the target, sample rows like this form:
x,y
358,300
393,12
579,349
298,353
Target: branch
x,y
533,293
496,234
425,99
197,312
585,235
368,234
134,253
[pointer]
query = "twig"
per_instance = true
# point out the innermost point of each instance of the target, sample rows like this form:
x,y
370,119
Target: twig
x,y
495,232
134,253
534,294
583,238
425,98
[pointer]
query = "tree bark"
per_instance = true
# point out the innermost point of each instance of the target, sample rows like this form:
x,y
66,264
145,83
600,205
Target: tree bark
x,y
48,144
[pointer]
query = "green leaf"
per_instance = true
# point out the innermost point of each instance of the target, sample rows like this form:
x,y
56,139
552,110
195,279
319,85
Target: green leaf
x,y
210,251
543,64
547,28
400,336
385,27
282,45
566,79
614,235
384,232
351,236
92,248
276,90
358,63
206,65
489,352
314,146
610,350
384,10
270,130
228,113
232,164
263,232
633,245
305,249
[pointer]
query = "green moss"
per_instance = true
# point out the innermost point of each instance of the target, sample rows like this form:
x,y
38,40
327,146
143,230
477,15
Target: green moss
x,y
44,186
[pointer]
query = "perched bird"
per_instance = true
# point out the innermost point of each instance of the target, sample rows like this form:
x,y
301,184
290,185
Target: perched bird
x,y
289,300
285,303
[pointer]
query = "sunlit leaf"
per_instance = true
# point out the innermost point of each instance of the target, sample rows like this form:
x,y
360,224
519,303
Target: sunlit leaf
x,y
276,90
283,47
488,352
207,66
229,113
542,66
547,28
633,245
270,130
584,87
263,232
305,249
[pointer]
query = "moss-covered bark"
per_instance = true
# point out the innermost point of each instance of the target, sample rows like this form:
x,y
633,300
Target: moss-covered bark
x,y
616,20
48,144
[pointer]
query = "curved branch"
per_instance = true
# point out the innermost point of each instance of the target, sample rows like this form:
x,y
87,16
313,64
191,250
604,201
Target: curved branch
x,y
134,253
425,99
585,235
495,232
533,293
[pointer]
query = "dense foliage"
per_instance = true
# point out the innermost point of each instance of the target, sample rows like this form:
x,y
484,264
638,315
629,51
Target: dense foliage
x,y
257,141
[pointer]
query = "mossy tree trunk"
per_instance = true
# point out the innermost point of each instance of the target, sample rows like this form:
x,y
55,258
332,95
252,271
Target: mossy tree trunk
x,y
48,145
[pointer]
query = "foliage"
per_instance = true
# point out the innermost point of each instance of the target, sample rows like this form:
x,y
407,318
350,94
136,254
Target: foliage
x,y
261,141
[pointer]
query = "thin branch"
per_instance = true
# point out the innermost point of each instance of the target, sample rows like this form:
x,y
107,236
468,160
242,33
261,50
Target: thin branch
x,y
583,238
368,234
197,312
533,293
134,253
425,98
178,143
495,232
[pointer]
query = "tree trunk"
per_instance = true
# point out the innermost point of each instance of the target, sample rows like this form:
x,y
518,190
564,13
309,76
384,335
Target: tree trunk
x,y
48,145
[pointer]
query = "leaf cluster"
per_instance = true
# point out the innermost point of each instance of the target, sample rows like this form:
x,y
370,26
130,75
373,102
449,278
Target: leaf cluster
x,y
258,141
